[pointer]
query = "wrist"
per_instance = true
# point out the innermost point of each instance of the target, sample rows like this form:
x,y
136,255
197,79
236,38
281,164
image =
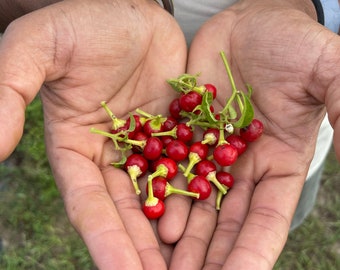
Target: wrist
x,y
306,6
328,13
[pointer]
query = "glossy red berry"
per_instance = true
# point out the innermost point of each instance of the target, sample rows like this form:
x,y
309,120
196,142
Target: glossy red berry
x,y
153,148
175,108
125,129
204,167
159,187
166,140
239,143
181,131
152,164
225,178
136,166
122,131
189,101
177,150
211,136
225,154
212,89
253,131
165,167
152,126
199,184
162,189
139,136
200,149
138,123
138,161
153,208
207,169
184,133
197,152
169,123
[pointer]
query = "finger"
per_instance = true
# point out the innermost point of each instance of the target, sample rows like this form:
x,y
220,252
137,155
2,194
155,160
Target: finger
x,y
165,249
178,207
12,111
265,231
191,250
19,83
22,72
137,225
92,212
234,209
266,223
333,110
172,224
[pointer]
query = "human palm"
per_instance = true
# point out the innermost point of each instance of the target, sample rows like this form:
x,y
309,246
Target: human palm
x,y
290,61
86,52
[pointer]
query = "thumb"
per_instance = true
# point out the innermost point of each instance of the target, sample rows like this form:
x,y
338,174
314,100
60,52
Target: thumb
x,y
24,60
12,114
332,101
326,82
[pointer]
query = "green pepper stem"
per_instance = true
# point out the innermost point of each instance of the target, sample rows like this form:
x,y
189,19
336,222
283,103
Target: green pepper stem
x,y
116,122
219,197
172,133
212,178
221,139
143,113
194,158
161,170
108,111
134,172
169,189
118,138
183,169
150,189
232,82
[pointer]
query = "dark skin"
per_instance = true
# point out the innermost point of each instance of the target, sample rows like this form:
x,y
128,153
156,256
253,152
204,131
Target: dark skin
x,y
295,75
125,55
118,60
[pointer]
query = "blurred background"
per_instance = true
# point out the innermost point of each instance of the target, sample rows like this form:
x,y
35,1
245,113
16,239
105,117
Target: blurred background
x,y
35,232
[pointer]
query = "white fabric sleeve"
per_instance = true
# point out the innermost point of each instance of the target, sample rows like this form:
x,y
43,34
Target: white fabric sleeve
x,y
331,11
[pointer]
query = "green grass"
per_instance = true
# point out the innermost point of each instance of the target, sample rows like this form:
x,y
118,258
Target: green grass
x,y
316,243
34,229
37,235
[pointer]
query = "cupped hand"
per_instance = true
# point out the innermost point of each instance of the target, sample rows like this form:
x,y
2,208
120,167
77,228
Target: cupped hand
x,y
292,63
85,52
